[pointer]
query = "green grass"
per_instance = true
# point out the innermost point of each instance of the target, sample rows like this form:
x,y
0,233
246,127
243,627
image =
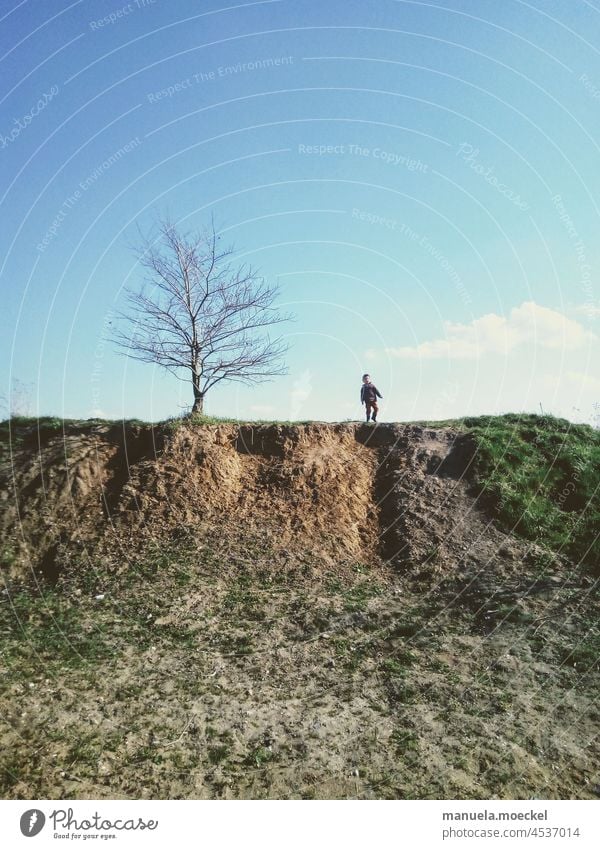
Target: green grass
x,y
29,431
243,602
541,478
217,754
48,629
258,757
357,597
56,424
7,557
64,628
175,422
159,723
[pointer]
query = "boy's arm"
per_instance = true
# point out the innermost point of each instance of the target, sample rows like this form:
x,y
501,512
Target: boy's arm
x,y
362,394
378,393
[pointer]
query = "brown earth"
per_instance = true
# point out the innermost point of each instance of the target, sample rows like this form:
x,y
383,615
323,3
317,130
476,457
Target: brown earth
x,y
283,611
391,492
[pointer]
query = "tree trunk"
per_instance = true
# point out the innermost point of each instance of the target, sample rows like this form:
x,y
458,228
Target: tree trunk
x,y
198,407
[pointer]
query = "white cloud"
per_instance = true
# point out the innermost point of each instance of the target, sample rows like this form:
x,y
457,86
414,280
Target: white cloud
x,y
529,323
590,311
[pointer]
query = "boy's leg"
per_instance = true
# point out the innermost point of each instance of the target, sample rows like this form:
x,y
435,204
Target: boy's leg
x,y
375,410
368,406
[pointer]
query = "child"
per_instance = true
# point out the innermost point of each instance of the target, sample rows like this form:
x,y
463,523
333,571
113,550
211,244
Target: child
x,y
368,396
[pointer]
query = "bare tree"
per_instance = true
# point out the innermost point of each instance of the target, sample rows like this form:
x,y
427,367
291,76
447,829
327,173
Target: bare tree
x,y
202,314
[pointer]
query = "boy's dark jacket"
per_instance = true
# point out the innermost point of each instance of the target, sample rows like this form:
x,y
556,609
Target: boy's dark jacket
x,y
369,392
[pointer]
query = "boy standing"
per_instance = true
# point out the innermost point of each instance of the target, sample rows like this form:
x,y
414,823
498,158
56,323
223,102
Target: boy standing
x,y
368,396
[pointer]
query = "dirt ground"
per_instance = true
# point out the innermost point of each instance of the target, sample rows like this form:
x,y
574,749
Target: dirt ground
x,y
319,611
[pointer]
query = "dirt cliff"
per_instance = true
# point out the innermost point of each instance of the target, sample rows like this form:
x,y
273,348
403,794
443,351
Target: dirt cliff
x,y
391,493
274,611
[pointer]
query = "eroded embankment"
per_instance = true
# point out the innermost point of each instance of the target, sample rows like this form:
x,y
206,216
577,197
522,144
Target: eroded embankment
x,y
193,647
394,492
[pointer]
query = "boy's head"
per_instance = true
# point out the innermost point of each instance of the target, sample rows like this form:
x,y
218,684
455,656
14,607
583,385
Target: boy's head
x,y
366,378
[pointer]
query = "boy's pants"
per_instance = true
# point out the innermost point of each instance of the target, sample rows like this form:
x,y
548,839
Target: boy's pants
x,y
371,405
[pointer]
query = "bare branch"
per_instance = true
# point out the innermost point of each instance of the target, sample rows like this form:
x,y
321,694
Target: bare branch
x,y
200,314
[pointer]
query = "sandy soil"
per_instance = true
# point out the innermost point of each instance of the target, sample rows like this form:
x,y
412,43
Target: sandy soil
x,y
309,611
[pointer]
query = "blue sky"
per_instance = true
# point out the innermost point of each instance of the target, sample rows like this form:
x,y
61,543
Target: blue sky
x,y
421,179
